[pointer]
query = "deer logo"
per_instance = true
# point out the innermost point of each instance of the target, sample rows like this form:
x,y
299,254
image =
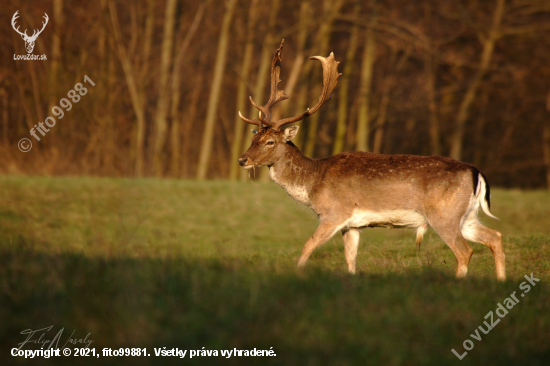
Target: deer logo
x,y
29,41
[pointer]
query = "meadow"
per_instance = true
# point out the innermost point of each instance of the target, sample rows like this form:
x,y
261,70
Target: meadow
x,y
152,263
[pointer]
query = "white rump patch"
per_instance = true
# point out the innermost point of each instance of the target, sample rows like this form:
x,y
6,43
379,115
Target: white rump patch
x,y
470,222
469,231
390,219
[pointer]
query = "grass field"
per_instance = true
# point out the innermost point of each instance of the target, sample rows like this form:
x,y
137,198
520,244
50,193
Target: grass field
x,y
169,263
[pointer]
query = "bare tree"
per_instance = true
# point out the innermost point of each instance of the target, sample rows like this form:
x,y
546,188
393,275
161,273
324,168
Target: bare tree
x,y
206,146
387,87
430,69
488,42
5,111
55,56
175,90
453,98
363,116
343,102
135,93
160,122
546,143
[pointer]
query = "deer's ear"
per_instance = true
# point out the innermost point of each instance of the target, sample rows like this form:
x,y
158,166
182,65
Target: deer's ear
x,y
291,132
254,131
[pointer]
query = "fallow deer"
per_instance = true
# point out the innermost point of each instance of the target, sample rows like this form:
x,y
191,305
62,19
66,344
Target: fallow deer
x,y
355,190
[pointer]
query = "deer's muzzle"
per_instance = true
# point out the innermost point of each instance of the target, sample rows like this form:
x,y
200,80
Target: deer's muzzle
x,y
243,161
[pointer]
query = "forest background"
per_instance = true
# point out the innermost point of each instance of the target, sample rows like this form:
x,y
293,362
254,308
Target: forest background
x,y
465,79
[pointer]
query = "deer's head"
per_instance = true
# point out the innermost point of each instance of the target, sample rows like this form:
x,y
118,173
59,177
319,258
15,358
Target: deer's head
x,y
270,141
268,145
29,40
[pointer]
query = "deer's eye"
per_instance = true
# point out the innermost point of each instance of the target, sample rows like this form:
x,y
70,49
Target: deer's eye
x,y
270,143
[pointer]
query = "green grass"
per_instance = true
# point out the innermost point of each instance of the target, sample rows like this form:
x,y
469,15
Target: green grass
x,y
167,263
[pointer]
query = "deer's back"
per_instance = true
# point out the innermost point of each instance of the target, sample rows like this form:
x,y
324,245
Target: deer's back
x,y
386,182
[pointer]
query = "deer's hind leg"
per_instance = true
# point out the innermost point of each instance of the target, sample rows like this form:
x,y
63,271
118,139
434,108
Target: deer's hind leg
x,y
449,231
474,231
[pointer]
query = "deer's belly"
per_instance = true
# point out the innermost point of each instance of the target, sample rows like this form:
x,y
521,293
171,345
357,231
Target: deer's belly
x,y
393,219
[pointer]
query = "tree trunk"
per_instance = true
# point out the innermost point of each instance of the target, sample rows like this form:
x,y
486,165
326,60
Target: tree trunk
x,y
206,145
104,121
5,118
431,72
546,144
343,106
175,88
135,93
160,122
110,126
331,11
430,69
365,87
479,141
239,128
29,121
389,83
55,57
188,122
36,93
100,146
148,41
464,109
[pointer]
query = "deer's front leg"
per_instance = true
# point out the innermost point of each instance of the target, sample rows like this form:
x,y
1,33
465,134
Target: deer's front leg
x,y
351,244
324,232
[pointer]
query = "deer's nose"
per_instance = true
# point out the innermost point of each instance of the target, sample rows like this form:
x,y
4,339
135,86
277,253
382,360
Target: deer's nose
x,y
243,161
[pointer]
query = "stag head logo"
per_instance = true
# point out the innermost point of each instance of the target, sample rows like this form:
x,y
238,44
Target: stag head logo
x,y
29,40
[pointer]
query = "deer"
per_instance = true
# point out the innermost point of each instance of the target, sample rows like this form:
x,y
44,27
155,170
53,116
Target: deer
x,y
351,191
29,41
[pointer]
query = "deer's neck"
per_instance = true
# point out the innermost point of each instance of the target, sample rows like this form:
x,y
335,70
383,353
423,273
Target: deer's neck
x,y
296,173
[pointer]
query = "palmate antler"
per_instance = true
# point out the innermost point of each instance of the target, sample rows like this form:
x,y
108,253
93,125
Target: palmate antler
x,y
330,79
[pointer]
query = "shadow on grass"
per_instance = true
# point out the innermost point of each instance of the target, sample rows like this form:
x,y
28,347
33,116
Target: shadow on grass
x,y
312,317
